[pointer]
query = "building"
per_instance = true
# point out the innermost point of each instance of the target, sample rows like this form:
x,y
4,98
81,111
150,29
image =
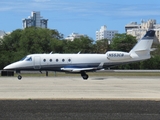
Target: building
x,y
74,35
103,33
2,33
35,20
139,30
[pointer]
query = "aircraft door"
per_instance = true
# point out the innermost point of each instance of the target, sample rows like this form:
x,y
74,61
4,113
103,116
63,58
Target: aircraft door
x,y
37,62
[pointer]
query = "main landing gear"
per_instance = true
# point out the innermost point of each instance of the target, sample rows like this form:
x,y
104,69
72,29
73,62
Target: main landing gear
x,y
84,75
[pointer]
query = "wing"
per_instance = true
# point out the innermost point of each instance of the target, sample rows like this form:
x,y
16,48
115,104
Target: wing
x,y
77,69
83,69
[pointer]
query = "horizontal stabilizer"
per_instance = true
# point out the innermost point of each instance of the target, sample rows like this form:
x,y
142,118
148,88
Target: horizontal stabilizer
x,y
153,49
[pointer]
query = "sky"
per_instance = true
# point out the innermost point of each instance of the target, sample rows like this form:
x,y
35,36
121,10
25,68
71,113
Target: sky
x,y
79,16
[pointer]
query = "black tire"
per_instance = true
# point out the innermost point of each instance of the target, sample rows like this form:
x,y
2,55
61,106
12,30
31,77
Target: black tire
x,y
19,77
85,77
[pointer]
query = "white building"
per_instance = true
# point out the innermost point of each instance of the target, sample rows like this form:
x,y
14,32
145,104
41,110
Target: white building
x,y
2,33
73,36
104,33
35,20
139,30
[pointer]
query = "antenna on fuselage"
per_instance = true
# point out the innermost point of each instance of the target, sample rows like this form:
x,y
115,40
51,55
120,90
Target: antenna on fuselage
x,y
51,52
79,52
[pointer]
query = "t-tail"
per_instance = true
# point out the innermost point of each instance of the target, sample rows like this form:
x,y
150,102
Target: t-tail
x,y
141,50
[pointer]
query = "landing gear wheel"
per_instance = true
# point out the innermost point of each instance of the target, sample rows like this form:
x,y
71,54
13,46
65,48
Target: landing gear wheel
x,y
84,75
19,77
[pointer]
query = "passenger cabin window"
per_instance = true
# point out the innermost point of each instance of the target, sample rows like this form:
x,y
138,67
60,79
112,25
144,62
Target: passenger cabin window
x,y
63,60
69,60
56,60
50,60
44,60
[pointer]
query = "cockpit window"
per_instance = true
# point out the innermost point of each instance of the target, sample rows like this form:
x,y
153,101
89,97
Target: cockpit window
x,y
29,59
26,59
22,59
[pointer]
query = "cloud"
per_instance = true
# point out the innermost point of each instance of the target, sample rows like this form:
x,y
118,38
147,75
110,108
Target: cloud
x,y
140,10
5,8
82,8
41,0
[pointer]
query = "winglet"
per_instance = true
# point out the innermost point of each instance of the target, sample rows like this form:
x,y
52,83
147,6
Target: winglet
x,y
153,49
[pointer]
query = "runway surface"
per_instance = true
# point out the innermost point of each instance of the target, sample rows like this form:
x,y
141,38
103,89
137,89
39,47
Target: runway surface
x,y
77,88
79,110
70,98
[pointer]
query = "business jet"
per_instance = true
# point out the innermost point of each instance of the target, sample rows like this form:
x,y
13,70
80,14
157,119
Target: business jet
x,y
82,63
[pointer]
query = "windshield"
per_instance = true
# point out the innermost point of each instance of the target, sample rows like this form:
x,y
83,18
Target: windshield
x,y
27,58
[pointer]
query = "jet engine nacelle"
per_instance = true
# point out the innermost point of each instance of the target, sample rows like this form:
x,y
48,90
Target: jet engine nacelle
x,y
116,55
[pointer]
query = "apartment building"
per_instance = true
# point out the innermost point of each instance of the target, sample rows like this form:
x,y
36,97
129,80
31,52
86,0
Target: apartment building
x,y
35,20
2,33
139,30
73,36
103,33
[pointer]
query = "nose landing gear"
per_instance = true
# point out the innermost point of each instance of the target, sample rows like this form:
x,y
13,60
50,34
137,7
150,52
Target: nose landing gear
x,y
19,77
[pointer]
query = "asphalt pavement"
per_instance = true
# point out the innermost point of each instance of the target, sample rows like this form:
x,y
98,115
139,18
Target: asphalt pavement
x,y
71,98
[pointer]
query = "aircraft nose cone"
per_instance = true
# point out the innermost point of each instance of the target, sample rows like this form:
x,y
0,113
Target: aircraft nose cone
x,y
10,67
6,68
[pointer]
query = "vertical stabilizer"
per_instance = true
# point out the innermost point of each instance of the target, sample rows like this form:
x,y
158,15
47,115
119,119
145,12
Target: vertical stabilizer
x,y
142,48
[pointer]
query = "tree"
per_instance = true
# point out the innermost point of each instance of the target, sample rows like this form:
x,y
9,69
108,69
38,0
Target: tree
x,y
10,48
57,46
82,44
152,63
123,42
101,46
23,42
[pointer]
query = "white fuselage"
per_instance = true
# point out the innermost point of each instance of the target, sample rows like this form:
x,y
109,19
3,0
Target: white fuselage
x,y
54,62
